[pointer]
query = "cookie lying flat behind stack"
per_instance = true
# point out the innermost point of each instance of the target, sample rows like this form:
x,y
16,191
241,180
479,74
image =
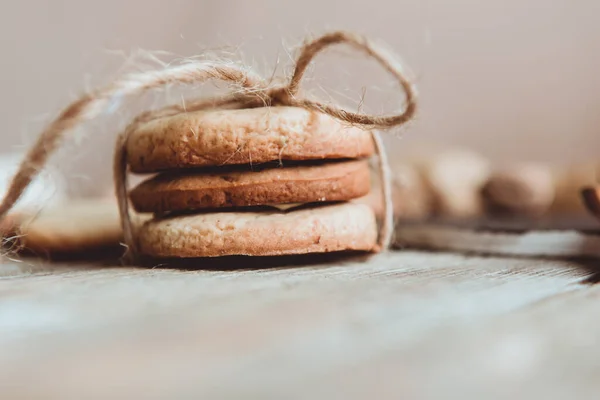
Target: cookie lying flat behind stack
x,y
252,182
84,227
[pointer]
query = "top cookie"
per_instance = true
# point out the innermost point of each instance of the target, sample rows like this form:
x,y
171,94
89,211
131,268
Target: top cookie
x,y
247,136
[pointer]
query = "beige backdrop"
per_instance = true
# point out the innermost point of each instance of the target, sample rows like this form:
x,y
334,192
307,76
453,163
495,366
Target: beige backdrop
x,y
513,78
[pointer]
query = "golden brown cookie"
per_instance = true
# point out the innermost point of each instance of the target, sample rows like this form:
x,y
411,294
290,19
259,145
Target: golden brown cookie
x,y
329,228
299,184
72,227
247,136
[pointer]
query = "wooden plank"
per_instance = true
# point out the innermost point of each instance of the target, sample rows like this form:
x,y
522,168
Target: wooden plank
x,y
406,323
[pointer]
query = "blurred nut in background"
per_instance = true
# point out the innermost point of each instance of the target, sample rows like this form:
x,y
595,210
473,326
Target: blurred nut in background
x,y
524,189
454,179
412,197
568,183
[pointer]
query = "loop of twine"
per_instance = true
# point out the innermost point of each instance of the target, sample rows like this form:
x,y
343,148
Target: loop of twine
x,y
252,91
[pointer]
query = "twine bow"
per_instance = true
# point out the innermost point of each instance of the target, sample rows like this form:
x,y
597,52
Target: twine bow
x,y
251,91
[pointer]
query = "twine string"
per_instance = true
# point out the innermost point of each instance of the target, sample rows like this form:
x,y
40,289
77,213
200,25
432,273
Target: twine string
x,y
250,90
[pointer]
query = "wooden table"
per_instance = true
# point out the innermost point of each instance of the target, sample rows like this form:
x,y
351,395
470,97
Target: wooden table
x,y
403,325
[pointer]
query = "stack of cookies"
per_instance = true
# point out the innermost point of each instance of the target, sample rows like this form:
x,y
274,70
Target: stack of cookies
x,y
256,182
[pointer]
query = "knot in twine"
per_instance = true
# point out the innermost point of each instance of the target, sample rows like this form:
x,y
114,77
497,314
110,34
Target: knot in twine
x,y
251,91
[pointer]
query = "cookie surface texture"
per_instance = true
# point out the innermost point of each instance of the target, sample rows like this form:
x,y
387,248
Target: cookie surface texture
x,y
329,228
299,184
247,136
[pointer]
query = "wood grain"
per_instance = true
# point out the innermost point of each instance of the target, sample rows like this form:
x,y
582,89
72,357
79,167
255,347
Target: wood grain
x,y
398,325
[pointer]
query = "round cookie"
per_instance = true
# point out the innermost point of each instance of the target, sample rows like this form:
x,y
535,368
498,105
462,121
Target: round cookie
x,y
246,136
337,227
299,184
71,227
525,189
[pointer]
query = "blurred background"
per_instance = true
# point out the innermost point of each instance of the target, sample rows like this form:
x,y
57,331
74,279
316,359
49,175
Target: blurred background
x,y
513,79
